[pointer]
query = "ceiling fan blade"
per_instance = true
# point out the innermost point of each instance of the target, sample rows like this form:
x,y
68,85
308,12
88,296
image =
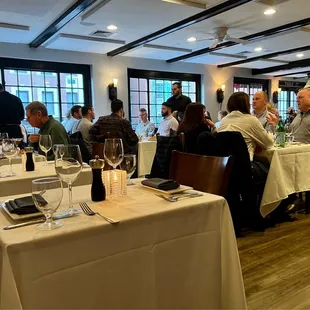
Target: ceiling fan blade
x,y
214,44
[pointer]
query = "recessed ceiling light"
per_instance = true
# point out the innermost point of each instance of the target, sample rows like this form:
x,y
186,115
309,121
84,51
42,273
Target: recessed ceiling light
x,y
112,27
258,49
270,11
300,55
191,39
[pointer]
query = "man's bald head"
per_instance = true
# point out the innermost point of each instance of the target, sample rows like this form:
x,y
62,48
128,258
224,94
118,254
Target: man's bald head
x,y
260,101
303,100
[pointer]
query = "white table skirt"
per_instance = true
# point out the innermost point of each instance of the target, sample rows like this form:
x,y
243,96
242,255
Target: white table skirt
x,y
289,173
21,183
162,255
146,154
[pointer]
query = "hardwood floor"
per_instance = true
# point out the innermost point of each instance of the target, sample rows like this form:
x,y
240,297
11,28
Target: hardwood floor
x,y
276,266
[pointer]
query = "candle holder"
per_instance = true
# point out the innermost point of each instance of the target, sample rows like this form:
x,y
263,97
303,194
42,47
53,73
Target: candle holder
x,y
115,182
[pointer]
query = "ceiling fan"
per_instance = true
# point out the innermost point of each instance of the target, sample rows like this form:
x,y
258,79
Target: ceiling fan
x,y
220,34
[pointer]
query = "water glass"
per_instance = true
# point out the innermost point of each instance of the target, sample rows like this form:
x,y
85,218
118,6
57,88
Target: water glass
x,y
45,144
113,152
129,164
68,166
47,195
9,149
3,135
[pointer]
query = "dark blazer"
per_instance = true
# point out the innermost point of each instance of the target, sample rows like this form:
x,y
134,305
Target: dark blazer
x,y
12,110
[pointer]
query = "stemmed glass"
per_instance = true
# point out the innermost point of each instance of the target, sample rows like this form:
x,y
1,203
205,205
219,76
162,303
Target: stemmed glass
x,y
113,152
47,195
3,135
129,164
68,166
9,149
289,133
45,144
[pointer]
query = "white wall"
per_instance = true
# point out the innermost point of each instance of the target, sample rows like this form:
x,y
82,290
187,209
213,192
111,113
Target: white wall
x,y
104,69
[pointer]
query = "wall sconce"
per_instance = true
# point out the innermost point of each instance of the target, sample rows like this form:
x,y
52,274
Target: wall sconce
x,y
113,90
220,94
275,96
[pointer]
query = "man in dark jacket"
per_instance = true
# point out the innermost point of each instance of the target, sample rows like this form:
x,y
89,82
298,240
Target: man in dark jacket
x,y
11,115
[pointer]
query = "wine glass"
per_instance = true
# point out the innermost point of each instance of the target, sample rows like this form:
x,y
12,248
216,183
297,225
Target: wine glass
x,y
68,166
113,152
55,150
3,135
129,164
9,149
45,144
47,195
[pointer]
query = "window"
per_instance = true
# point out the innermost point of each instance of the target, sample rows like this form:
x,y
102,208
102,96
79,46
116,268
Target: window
x,y
250,86
149,89
286,98
47,85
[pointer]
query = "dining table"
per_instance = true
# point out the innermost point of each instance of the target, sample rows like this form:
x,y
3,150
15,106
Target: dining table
x,y
161,255
21,182
146,154
289,173
18,159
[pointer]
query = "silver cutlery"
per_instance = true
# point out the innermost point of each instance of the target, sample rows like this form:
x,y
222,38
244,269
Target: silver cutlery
x,y
38,221
88,211
177,197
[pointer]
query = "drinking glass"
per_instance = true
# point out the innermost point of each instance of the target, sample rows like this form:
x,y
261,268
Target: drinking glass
x,y
47,195
9,149
129,164
3,135
113,152
55,150
45,144
68,166
289,133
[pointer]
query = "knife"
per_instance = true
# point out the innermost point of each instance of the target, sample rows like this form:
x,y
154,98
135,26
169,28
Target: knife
x,y
41,220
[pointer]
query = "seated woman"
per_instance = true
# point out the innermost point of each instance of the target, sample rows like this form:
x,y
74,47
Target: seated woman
x,y
254,134
193,124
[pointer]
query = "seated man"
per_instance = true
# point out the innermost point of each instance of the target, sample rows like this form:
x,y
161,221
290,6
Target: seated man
x,y
76,116
115,126
84,125
169,125
145,128
37,116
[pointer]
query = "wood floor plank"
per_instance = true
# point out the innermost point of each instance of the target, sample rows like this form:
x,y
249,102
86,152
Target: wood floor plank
x,y
276,266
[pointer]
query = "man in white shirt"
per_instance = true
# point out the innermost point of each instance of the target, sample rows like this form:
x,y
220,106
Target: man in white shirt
x,y
84,125
266,118
169,125
76,116
145,128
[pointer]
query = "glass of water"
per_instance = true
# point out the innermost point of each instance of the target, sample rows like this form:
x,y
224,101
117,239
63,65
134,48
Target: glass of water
x,y
45,144
129,164
9,150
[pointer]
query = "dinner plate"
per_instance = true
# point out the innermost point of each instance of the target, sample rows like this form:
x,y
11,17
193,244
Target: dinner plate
x,y
17,217
178,190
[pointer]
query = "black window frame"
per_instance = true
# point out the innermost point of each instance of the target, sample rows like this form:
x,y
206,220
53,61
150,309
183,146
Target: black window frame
x,y
56,67
162,75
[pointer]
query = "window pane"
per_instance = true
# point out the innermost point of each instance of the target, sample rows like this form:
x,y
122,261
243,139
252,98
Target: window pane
x,y
159,86
66,95
80,96
65,108
37,78
152,85
10,77
143,84
192,87
193,97
135,110
134,84
65,80
134,97
24,78
38,94
167,86
25,94
185,87
77,81
166,96
152,98
51,95
143,98
51,79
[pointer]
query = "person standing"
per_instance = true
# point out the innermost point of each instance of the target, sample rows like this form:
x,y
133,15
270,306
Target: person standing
x,y
169,125
178,101
12,113
145,128
76,114
84,125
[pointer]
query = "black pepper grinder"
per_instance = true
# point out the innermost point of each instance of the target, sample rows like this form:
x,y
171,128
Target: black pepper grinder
x,y
97,189
29,159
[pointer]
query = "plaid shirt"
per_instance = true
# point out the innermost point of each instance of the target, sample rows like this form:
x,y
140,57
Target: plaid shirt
x,y
117,127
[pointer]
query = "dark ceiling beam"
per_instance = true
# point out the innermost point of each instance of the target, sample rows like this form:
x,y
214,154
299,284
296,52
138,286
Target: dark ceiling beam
x,y
78,7
266,56
292,73
291,65
216,10
256,36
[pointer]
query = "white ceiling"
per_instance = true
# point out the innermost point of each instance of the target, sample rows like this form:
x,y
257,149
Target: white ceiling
x,y
137,18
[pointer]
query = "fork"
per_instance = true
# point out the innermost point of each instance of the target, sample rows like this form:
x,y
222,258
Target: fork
x,y
177,197
88,211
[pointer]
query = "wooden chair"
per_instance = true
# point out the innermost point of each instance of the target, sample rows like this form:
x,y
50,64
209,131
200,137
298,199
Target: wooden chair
x,y
204,173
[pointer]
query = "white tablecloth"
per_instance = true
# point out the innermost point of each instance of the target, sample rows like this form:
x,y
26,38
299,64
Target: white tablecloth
x,y
21,183
18,160
146,154
289,173
162,255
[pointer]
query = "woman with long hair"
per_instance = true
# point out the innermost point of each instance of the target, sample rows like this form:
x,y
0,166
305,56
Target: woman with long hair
x,y
193,124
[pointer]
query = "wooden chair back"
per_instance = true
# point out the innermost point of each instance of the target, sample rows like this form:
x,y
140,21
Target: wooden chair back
x,y
204,173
